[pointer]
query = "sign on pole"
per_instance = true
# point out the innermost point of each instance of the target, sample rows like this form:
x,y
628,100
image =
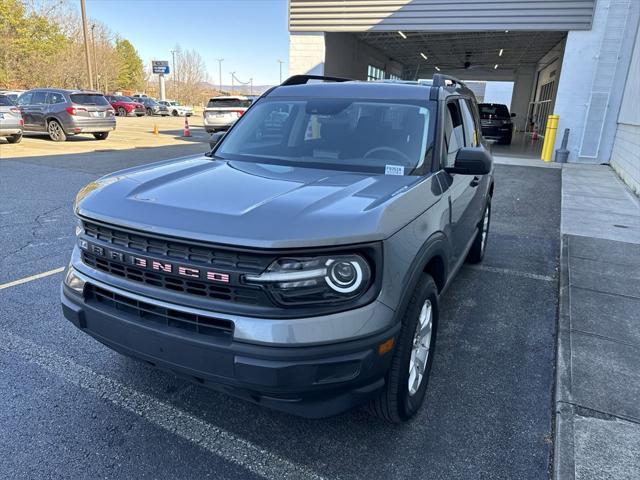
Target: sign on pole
x,y
160,66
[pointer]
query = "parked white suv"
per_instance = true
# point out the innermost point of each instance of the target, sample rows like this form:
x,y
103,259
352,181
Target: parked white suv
x,y
221,112
176,109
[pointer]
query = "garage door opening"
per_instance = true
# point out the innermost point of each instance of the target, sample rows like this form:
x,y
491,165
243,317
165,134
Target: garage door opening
x,y
529,60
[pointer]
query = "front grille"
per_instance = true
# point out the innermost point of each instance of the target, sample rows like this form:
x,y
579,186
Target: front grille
x,y
167,317
245,295
232,262
209,256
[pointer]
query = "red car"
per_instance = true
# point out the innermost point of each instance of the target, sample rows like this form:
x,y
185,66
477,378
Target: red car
x,y
124,106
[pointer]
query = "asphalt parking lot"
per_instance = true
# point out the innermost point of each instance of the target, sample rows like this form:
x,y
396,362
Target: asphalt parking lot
x,y
71,408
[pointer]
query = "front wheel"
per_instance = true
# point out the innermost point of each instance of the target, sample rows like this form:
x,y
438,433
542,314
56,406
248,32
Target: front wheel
x,y
149,112
122,112
408,377
55,131
476,253
174,113
101,135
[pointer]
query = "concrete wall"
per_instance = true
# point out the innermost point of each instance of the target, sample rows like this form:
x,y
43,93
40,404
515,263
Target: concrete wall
x,y
347,56
583,51
625,157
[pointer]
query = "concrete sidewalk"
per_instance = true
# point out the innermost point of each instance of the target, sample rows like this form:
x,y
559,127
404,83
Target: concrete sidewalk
x,y
598,360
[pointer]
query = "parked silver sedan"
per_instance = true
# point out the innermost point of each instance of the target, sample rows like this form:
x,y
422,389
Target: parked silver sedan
x,y
11,124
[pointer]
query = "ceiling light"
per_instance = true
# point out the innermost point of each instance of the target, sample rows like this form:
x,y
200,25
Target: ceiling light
x,y
501,50
437,68
506,31
423,55
495,66
401,34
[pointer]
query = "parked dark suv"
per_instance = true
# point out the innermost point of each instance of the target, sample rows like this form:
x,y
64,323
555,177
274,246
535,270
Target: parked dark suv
x,y
61,113
496,122
300,264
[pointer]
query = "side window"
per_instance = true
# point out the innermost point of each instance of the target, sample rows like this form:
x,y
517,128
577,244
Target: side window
x,y
470,134
25,98
39,98
453,132
53,98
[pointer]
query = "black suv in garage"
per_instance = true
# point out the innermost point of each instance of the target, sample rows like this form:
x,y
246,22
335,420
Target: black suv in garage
x,y
300,264
496,122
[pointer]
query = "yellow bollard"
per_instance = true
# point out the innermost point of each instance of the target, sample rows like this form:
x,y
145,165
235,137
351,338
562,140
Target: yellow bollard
x,y
550,137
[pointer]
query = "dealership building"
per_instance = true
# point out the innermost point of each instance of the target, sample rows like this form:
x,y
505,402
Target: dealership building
x,y
579,59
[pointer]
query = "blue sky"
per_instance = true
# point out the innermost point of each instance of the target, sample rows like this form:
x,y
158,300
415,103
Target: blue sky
x,y
251,35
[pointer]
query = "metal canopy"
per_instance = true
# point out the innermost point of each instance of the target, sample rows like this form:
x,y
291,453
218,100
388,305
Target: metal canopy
x,y
464,50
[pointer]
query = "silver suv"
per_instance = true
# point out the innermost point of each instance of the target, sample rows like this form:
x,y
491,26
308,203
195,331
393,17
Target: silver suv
x,y
61,113
10,120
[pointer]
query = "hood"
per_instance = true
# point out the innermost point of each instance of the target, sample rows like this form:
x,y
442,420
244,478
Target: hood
x,y
255,205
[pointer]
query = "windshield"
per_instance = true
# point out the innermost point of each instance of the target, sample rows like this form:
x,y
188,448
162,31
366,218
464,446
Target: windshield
x,y
390,136
493,110
88,99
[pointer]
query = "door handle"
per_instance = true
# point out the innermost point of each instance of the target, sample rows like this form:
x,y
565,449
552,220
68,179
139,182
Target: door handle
x,y
475,182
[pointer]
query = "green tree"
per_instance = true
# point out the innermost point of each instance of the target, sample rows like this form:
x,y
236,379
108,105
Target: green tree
x,y
130,71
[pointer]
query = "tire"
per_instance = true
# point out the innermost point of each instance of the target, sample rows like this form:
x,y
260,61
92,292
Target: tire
x,y
476,253
17,138
122,112
400,401
149,112
101,135
507,140
174,113
55,131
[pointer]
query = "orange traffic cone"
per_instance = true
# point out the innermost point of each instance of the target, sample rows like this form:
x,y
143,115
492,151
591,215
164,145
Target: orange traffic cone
x,y
187,132
155,129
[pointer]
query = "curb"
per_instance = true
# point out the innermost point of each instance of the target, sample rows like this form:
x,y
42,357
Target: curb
x,y
563,455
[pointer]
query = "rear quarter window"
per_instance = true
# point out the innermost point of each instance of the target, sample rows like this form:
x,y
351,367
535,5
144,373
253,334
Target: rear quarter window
x,y
88,99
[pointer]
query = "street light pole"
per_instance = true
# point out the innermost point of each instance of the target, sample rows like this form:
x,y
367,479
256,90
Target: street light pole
x,y
83,8
173,64
95,57
280,62
232,76
220,60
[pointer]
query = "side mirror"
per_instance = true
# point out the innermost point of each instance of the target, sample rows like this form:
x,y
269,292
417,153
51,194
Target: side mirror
x,y
513,114
215,139
472,161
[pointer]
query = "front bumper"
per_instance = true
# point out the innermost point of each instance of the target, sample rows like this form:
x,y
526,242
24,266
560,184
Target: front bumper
x,y
312,381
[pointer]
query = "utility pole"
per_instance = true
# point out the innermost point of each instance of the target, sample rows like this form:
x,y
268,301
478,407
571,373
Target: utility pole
x,y
280,62
173,64
232,77
251,86
95,58
83,8
220,60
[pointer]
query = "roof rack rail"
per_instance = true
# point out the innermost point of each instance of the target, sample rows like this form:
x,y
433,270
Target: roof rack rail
x,y
302,79
440,80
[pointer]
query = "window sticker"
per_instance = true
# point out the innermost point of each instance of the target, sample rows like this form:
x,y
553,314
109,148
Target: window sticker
x,y
394,170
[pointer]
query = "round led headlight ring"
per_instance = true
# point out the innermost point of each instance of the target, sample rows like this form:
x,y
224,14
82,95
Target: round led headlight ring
x,y
344,276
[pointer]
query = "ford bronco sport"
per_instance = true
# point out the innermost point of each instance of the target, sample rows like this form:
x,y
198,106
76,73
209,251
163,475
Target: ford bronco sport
x,y
299,264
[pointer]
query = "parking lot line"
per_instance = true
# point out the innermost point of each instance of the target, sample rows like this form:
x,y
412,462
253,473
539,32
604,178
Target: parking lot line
x,y
507,271
161,414
31,278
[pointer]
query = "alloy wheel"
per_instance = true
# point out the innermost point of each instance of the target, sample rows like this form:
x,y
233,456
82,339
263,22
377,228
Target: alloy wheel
x,y
54,130
420,348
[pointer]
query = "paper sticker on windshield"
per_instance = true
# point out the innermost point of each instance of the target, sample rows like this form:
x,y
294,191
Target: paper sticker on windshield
x,y
394,170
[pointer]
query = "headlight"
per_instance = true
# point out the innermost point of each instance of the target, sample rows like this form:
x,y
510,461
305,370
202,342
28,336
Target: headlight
x,y
73,281
310,280
79,228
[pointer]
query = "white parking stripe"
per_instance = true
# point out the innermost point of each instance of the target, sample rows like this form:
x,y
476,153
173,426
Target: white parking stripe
x,y
164,415
517,273
31,278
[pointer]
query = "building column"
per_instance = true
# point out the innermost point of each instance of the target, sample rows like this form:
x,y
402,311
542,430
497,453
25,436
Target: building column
x,y
306,53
